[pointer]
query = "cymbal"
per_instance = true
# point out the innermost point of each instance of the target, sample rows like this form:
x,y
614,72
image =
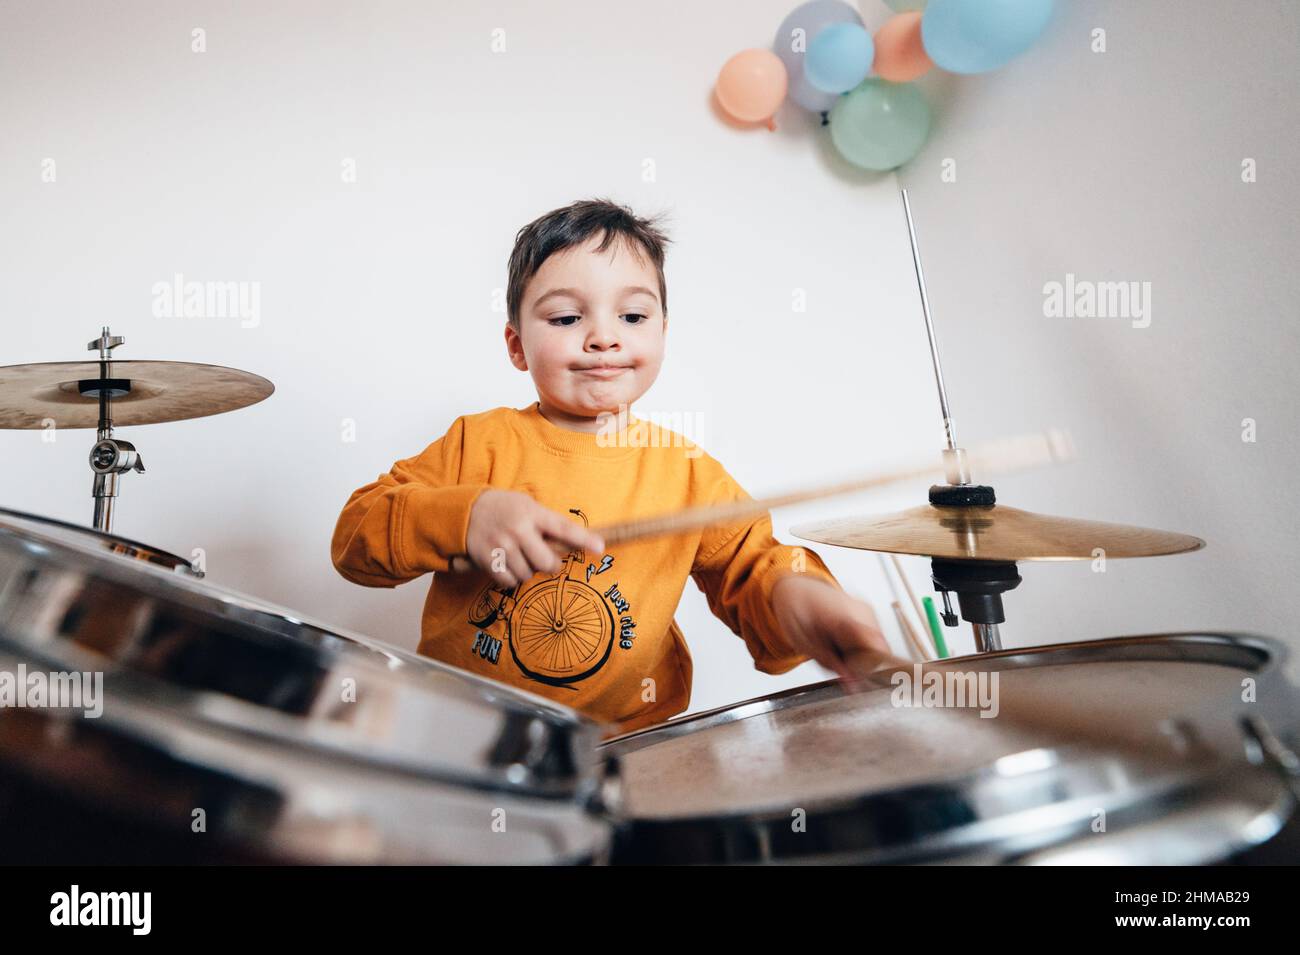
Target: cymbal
x,y
994,532
31,395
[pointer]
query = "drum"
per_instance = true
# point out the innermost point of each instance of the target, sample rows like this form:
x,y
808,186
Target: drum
x,y
177,721
1202,764
229,729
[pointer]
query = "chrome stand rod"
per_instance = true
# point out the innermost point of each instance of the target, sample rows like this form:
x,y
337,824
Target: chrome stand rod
x,y
955,464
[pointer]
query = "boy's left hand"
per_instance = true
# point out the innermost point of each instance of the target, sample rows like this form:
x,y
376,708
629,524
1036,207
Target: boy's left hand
x,y
823,622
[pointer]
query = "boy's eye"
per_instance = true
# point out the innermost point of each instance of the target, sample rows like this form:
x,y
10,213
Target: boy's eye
x,y
635,318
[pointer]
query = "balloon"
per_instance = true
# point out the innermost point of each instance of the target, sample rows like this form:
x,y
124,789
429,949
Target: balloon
x,y
792,38
974,36
880,125
751,86
839,58
904,6
900,54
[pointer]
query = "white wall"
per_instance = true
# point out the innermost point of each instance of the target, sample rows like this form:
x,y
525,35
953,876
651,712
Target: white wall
x,y
1126,166
376,297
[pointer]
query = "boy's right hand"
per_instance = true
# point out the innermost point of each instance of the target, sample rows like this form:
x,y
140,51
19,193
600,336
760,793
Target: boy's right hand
x,y
510,536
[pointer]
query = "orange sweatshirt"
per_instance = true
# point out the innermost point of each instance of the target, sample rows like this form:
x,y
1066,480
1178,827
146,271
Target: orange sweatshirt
x,y
599,635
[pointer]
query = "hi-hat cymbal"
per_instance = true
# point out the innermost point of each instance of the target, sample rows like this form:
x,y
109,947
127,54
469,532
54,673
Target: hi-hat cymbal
x,y
32,395
993,533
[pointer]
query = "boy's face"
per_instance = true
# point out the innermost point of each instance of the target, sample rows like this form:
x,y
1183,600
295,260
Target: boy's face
x,y
583,309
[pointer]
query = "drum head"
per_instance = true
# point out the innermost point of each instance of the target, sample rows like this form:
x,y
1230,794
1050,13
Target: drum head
x,y
881,776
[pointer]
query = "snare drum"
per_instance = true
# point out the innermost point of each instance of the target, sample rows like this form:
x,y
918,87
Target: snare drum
x,y
234,730
816,774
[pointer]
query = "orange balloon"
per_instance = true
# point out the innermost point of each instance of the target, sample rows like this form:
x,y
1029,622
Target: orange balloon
x,y
751,86
900,55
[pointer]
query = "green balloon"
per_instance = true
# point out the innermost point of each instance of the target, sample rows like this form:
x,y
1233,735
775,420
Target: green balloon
x,y
880,125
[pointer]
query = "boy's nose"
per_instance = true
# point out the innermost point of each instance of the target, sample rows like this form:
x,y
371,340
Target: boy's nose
x,y
602,335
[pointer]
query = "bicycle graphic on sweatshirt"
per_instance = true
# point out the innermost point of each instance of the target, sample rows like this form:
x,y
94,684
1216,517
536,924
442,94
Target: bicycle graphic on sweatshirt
x,y
560,630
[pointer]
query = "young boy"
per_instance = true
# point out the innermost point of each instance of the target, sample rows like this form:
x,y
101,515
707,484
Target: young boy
x,y
504,489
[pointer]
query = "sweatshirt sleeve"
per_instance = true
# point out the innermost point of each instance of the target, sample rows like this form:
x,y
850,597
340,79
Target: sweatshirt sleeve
x,y
737,567
410,521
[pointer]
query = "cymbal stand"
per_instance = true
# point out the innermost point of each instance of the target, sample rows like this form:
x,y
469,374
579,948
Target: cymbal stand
x,y
110,456
978,584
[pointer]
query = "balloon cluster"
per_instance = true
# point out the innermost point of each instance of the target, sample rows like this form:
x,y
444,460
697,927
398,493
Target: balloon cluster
x,y
827,62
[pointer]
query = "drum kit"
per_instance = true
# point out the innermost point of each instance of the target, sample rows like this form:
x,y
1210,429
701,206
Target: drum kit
x,y
229,729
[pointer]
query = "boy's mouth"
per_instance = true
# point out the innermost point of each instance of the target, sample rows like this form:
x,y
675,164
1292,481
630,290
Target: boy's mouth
x,y
602,371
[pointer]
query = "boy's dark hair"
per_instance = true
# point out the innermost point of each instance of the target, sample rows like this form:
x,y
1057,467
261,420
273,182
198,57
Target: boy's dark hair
x,y
573,225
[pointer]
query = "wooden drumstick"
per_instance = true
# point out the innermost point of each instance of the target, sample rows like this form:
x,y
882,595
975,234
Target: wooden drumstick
x,y
916,604
909,633
995,457
918,648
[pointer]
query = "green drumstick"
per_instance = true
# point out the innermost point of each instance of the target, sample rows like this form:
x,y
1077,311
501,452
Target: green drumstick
x,y
936,630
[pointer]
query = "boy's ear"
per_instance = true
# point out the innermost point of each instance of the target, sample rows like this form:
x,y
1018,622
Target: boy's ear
x,y
515,348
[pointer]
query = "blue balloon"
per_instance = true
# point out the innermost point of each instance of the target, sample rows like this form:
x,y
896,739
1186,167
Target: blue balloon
x,y
792,38
839,58
974,36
